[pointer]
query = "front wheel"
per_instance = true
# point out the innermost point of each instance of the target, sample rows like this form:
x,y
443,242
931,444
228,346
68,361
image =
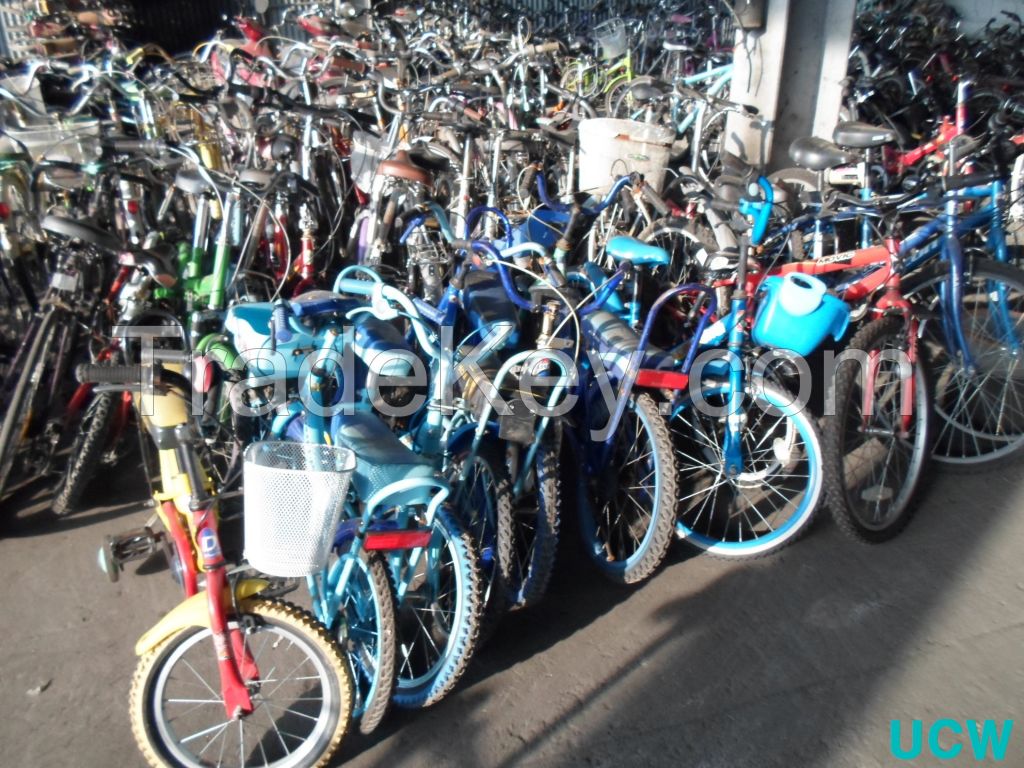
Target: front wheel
x,y
979,407
874,453
774,494
302,697
86,453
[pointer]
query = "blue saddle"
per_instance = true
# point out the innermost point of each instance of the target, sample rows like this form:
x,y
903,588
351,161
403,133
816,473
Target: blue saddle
x,y
622,248
381,458
316,303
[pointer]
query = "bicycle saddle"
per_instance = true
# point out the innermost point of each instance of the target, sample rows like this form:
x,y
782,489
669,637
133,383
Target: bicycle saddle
x,y
430,158
401,167
819,154
649,91
857,135
82,230
191,181
257,179
321,303
622,248
381,458
160,263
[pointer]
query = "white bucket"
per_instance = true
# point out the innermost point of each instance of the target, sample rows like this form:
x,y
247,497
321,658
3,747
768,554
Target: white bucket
x,y
610,148
801,294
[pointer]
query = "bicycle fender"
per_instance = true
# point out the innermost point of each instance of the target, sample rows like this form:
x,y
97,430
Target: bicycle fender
x,y
192,612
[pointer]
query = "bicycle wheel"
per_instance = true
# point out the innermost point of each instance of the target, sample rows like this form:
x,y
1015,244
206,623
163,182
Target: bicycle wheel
x,y
483,503
301,708
627,509
535,522
707,155
85,455
438,614
980,411
766,505
689,251
368,635
874,461
26,405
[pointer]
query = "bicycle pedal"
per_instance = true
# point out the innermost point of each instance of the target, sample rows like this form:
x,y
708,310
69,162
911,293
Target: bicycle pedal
x,y
137,544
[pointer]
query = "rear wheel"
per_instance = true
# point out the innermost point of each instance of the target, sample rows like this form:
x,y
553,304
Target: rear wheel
x,y
27,407
368,635
302,700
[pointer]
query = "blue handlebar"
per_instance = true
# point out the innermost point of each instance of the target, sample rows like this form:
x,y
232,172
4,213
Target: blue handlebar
x,y
760,210
479,211
542,192
357,287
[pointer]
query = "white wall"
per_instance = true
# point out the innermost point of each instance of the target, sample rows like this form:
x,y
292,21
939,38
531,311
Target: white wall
x,y
976,13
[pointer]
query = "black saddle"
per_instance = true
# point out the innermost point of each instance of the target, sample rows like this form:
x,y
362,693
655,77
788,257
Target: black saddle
x,y
819,154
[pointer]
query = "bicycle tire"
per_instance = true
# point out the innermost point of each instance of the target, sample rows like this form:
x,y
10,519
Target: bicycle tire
x,y
486,512
539,546
965,439
306,635
852,487
19,409
425,689
715,507
595,499
374,686
86,453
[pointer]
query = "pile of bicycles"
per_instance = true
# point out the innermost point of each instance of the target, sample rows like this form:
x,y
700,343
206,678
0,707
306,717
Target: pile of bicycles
x,y
373,310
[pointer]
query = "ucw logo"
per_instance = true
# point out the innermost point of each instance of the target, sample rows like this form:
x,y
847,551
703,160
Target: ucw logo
x,y
986,739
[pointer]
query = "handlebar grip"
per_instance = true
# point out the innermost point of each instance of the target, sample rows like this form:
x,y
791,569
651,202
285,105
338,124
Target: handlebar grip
x,y
537,50
963,181
87,373
448,75
654,199
357,287
1014,108
133,146
724,206
627,202
280,314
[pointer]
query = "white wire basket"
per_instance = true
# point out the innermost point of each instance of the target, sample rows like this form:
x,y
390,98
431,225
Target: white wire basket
x,y
293,499
611,36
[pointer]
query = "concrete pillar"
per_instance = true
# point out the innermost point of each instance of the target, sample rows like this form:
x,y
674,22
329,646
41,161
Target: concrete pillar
x,y
793,73
756,79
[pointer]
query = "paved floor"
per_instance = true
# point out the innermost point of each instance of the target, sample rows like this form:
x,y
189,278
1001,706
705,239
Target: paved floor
x,y
799,660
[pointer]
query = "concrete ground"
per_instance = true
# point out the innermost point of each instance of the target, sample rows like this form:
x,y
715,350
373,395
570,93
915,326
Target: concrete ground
x,y
802,659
